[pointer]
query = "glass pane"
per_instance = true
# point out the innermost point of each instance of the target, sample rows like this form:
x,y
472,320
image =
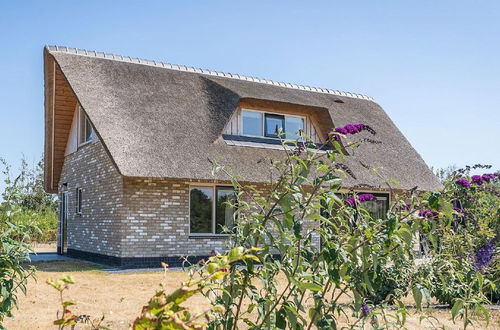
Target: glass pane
x,y
201,210
88,130
274,125
252,123
378,208
224,212
293,126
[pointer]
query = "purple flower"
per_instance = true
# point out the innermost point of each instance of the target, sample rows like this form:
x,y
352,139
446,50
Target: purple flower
x,y
427,213
459,210
477,179
341,130
366,197
488,177
463,182
483,256
360,198
365,309
351,201
352,129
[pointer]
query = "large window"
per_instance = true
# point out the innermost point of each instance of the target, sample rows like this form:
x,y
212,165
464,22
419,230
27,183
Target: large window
x,y
84,128
210,210
256,123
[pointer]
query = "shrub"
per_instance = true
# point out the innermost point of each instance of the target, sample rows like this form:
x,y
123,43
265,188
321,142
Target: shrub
x,y
367,258
14,252
35,209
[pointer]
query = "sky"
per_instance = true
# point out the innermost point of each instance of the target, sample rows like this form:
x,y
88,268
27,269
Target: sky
x,y
432,65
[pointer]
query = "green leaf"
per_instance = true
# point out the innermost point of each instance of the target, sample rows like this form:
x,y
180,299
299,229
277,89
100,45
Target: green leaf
x,y
67,303
417,296
457,306
236,253
309,286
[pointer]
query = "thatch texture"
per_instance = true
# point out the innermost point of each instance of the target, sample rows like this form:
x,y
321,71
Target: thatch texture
x,y
160,122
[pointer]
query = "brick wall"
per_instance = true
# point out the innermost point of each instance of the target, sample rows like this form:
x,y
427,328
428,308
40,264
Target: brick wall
x,y
98,228
130,217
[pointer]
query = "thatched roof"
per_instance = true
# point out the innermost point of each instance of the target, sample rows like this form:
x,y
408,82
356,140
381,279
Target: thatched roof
x,y
160,120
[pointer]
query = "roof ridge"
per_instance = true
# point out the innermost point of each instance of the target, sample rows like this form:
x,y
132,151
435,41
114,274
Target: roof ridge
x,y
184,68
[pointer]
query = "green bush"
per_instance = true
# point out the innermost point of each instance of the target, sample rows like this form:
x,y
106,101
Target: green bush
x,y
14,252
35,209
41,226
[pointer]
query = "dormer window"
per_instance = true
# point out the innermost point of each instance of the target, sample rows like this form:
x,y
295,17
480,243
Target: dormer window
x,y
262,124
85,131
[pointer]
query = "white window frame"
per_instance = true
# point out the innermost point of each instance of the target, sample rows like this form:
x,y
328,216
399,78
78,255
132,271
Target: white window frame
x,y
82,117
263,121
214,208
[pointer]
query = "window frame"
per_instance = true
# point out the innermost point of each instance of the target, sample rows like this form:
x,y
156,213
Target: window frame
x,y
78,200
263,123
213,226
379,194
83,120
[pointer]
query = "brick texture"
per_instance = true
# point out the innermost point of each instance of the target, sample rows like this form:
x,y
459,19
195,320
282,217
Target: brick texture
x,y
130,217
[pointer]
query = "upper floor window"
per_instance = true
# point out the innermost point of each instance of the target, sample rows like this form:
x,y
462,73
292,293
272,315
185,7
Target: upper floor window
x,y
85,130
256,123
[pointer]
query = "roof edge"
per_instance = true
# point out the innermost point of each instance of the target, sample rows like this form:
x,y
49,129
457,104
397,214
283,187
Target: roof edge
x,y
184,68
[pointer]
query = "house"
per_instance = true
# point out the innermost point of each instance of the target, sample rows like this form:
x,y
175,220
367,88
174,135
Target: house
x,y
128,144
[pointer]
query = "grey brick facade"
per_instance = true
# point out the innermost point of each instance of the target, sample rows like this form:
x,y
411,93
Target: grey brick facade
x,y
128,218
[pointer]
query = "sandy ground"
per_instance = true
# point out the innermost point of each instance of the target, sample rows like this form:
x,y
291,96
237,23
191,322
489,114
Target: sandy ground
x,y
120,297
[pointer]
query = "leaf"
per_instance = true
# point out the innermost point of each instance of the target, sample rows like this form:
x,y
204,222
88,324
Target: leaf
x,y
68,303
309,286
236,253
457,306
417,296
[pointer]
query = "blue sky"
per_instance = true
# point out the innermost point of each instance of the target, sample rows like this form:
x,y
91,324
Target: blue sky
x,y
433,65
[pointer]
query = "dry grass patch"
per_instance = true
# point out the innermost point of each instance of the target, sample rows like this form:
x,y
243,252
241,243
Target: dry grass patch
x,y
120,297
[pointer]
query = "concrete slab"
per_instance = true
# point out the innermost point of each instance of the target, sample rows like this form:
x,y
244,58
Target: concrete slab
x,y
48,256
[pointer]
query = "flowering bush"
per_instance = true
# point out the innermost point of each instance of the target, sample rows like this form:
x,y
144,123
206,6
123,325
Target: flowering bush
x,y
299,248
464,242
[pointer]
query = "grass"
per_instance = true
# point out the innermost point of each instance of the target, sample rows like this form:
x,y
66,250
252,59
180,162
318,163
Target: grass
x,y
120,297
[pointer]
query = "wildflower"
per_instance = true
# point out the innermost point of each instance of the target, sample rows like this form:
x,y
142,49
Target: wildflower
x,y
351,129
483,256
366,197
365,309
427,213
488,177
360,198
459,210
351,201
477,179
463,182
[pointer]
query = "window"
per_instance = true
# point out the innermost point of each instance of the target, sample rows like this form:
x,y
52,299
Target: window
x,y
78,201
252,123
209,209
224,213
84,128
256,123
294,127
275,125
379,207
